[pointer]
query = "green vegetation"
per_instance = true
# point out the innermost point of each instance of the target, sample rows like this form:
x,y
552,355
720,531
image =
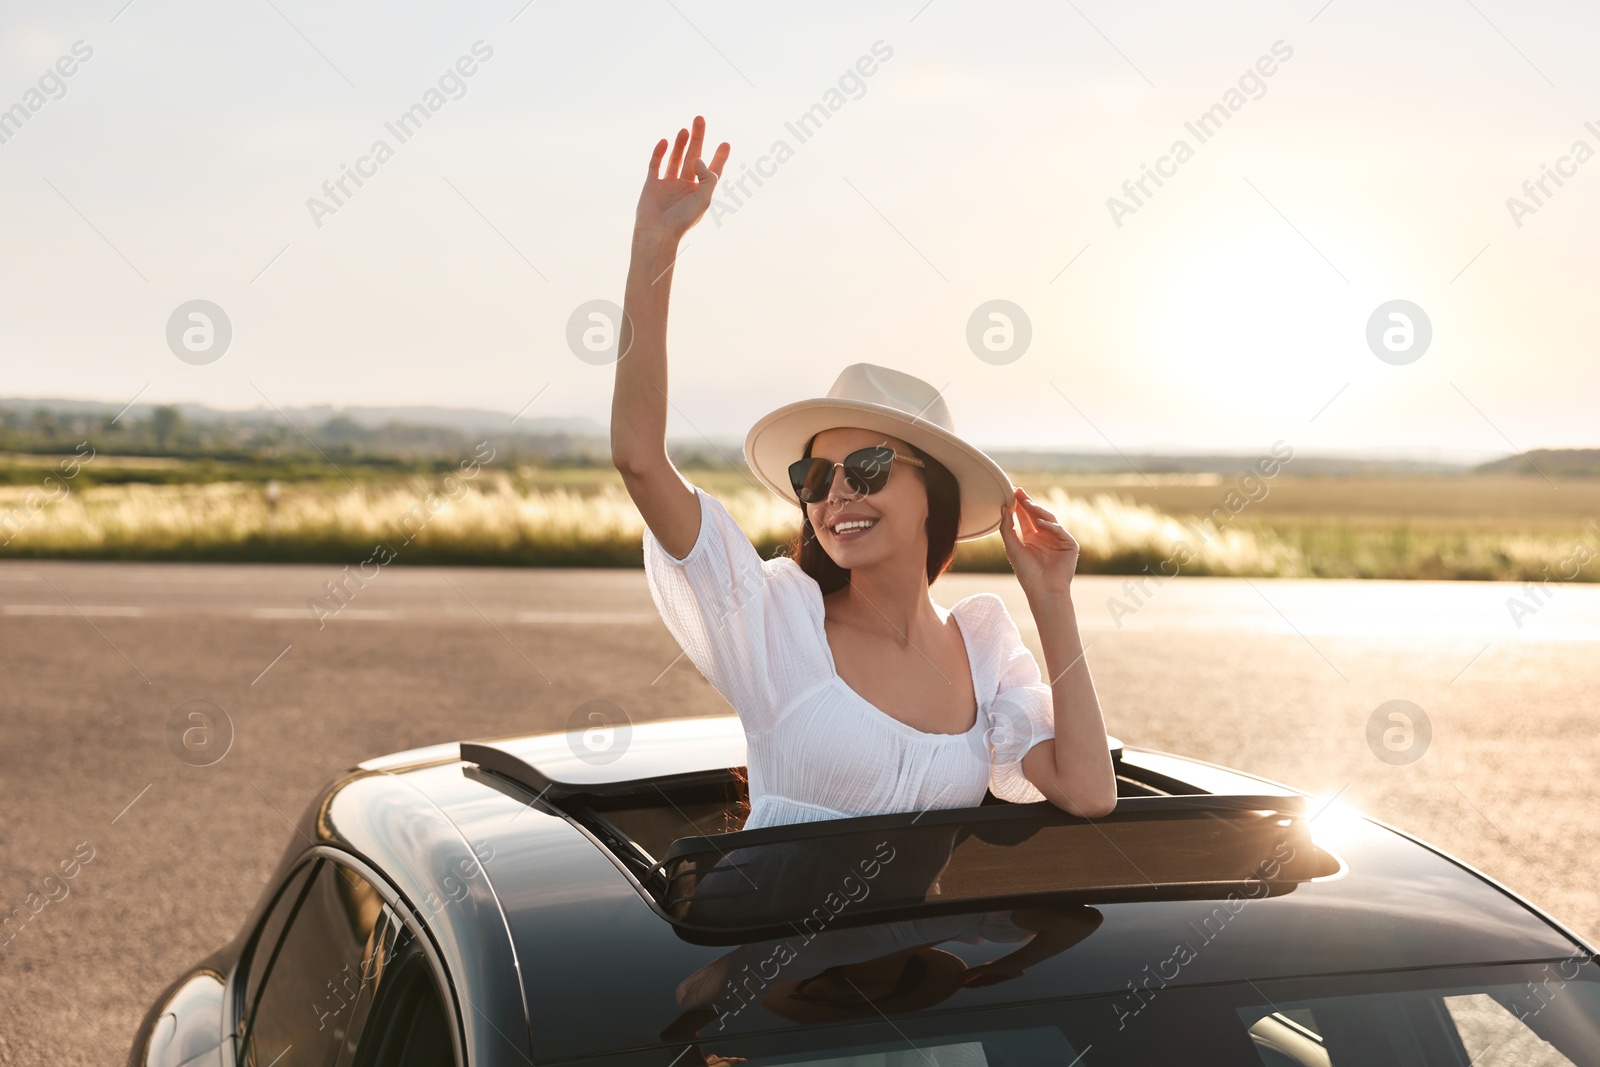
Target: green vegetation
x,y
163,487
162,446
533,516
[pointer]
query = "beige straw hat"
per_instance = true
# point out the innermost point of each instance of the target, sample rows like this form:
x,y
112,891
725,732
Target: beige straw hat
x,y
891,402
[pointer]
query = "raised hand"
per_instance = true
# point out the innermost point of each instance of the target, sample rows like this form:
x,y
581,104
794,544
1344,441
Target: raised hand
x,y
673,201
1043,554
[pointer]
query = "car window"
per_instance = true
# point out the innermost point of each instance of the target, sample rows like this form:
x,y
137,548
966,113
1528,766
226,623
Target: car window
x,y
271,932
313,986
1540,1014
408,1025
893,1043
1551,1023
1494,1034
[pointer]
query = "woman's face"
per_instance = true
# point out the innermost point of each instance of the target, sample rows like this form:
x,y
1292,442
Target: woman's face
x,y
896,515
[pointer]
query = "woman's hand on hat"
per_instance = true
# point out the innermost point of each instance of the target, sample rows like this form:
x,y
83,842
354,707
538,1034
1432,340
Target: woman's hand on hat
x,y
673,201
1042,553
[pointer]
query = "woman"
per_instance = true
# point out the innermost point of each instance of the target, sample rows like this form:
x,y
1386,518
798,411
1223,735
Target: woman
x,y
858,694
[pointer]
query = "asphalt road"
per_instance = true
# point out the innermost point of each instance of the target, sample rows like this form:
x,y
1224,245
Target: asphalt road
x,y
1279,678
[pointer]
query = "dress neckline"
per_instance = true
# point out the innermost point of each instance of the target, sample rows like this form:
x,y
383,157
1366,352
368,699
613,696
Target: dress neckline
x,y
972,670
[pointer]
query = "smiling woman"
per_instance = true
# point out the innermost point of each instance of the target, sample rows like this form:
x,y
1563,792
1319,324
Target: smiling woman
x,y
858,694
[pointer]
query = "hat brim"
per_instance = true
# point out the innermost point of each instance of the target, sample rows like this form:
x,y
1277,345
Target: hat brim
x,y
780,437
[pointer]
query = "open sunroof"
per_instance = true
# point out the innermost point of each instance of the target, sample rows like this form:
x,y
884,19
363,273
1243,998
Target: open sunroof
x,y
651,801
780,881
631,758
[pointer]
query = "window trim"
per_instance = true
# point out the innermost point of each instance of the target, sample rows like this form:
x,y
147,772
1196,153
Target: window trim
x,y
381,1005
234,995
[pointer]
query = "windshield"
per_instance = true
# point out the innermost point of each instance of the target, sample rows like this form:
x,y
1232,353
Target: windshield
x,y
1528,1015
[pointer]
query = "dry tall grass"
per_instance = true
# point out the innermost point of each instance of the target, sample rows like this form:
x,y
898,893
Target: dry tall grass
x,y
490,520
494,521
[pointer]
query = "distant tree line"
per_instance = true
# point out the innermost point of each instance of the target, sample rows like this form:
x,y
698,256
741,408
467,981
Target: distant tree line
x,y
266,440
165,432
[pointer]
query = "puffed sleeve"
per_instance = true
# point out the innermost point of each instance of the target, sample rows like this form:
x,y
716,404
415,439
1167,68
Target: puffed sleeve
x,y
743,621
1023,710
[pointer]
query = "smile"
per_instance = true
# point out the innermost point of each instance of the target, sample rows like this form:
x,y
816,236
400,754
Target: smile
x,y
853,527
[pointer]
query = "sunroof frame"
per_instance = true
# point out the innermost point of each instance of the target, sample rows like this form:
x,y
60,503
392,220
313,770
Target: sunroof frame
x,y
1025,819
585,803
501,756
490,757
1283,805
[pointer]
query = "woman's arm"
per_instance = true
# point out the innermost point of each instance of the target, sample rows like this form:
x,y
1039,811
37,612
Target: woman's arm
x,y
1073,770
668,206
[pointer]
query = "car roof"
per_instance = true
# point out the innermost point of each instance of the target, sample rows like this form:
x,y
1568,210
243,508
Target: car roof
x,y
563,922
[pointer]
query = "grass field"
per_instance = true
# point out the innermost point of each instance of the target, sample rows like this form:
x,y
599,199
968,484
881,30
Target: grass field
x,y
1482,527
1471,527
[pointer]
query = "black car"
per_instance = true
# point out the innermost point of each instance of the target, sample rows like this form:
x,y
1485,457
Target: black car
x,y
538,900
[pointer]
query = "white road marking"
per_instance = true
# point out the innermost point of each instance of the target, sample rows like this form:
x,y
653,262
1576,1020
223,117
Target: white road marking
x,y
67,609
369,614
532,618
597,617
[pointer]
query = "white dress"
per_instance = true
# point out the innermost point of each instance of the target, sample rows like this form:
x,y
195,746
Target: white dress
x,y
816,748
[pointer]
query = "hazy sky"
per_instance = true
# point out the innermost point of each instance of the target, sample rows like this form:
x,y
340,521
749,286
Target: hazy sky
x,y
1227,307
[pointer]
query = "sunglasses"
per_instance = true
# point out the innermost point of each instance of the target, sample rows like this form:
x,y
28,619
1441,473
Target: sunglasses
x,y
866,470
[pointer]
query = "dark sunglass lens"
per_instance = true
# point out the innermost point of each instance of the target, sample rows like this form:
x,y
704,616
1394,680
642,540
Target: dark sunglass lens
x,y
810,479
867,469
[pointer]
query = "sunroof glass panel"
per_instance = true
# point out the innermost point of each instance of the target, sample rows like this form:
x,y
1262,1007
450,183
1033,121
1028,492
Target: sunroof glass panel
x,y
723,884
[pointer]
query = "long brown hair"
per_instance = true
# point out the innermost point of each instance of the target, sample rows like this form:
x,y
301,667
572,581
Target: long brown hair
x,y
944,522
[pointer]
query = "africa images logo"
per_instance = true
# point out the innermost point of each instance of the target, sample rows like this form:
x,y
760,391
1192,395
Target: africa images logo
x,y
1206,126
404,127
